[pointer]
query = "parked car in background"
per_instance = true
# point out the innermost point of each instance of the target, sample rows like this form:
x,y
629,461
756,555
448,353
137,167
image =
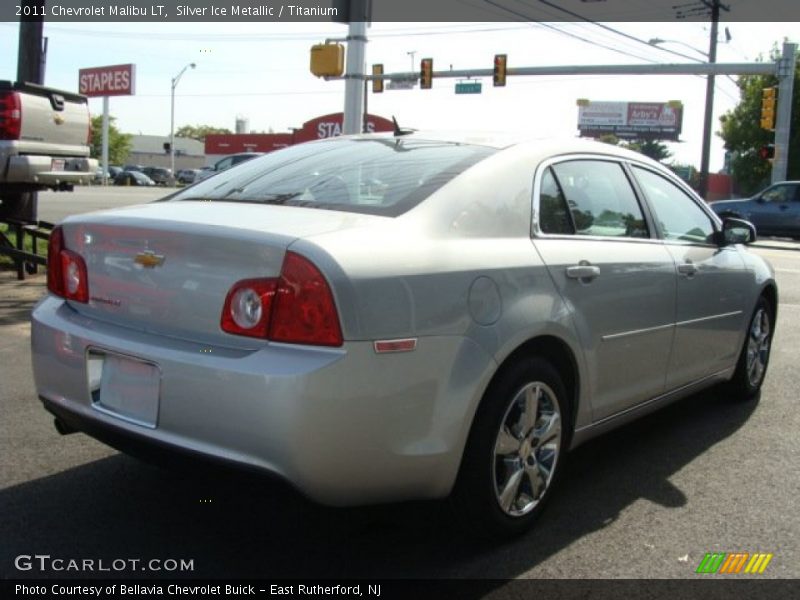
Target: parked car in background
x,y
111,174
380,318
133,178
226,163
773,211
139,168
160,175
187,176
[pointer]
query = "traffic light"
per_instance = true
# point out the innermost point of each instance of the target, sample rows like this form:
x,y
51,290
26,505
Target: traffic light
x,y
499,76
377,84
327,60
426,74
767,152
768,108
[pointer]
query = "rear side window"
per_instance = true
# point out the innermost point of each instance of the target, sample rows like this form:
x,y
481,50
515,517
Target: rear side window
x,y
599,200
553,211
382,176
679,217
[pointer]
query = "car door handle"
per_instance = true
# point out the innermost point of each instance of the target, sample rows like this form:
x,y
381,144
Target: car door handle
x,y
687,269
784,207
583,272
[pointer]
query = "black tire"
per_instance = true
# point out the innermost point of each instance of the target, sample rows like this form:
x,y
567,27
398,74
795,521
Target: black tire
x,y
487,468
754,357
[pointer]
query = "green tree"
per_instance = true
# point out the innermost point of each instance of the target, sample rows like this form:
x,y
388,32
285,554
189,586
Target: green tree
x,y
743,136
199,132
651,148
119,144
609,138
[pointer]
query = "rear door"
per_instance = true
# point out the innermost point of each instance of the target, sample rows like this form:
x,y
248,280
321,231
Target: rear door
x,y
616,277
712,282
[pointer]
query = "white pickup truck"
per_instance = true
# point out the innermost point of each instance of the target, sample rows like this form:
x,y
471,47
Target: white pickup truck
x,y
44,139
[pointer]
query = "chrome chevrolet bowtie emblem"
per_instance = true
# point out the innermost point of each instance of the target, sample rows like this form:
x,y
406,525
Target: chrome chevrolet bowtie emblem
x,y
149,259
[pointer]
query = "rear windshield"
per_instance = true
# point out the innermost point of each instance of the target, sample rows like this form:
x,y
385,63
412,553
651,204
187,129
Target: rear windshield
x,y
382,176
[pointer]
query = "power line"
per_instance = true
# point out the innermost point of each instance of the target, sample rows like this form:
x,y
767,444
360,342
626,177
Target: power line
x,y
616,31
526,18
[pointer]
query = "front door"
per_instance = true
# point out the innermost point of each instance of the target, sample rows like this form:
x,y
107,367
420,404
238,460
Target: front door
x,y
710,283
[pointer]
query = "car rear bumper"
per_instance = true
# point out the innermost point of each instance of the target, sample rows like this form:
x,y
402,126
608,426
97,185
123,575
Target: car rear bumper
x,y
49,171
345,426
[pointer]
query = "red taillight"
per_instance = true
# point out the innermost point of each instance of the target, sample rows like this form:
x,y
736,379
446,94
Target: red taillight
x,y
248,307
304,312
297,308
66,270
55,282
10,116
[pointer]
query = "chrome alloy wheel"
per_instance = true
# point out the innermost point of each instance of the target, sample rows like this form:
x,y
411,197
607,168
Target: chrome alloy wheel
x,y
526,449
758,341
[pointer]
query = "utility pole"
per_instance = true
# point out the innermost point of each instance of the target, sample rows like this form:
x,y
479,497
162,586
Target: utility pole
x,y
30,57
709,111
354,78
783,116
357,14
30,68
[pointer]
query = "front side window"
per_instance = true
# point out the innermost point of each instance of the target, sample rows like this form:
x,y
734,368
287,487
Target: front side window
x,y
680,217
599,199
779,193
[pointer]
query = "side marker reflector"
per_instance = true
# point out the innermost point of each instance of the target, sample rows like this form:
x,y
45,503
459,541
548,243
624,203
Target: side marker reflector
x,y
384,346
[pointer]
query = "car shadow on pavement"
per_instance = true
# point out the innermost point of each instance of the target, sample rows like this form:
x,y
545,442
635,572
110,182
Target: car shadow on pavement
x,y
14,311
232,526
17,298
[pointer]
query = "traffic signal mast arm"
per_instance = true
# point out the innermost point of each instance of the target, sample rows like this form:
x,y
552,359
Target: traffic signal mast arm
x,y
649,69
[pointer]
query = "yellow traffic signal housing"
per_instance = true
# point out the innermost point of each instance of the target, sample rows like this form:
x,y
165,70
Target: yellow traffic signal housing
x,y
499,76
377,84
327,60
768,108
426,74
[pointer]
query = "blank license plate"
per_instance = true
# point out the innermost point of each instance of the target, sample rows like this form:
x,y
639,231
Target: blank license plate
x,y
124,387
57,164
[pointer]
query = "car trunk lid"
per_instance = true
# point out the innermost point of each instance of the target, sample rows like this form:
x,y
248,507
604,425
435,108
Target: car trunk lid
x,y
166,267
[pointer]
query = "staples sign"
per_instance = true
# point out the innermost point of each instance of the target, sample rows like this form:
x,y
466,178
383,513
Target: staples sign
x,y
116,80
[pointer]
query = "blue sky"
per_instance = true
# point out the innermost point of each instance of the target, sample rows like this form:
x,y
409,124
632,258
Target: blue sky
x,y
260,71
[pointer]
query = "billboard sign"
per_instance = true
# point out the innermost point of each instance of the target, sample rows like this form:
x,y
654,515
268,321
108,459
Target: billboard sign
x,y
639,120
115,80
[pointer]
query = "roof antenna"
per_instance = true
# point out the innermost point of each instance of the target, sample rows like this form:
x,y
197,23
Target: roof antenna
x,y
398,131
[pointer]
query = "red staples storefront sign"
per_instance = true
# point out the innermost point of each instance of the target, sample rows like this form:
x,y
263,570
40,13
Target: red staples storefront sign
x,y
116,80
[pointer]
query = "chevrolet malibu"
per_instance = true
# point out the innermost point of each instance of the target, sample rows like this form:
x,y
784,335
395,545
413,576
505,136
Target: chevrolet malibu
x,y
386,317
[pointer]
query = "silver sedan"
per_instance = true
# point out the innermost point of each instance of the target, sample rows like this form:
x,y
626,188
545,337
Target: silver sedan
x,y
387,317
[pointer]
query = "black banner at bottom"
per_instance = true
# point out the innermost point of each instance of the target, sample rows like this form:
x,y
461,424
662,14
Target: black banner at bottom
x,y
550,589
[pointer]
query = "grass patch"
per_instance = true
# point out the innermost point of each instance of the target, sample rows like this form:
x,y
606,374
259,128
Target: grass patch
x,y
11,236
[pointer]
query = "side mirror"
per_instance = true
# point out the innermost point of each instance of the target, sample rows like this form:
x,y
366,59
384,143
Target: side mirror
x,y
736,231
760,200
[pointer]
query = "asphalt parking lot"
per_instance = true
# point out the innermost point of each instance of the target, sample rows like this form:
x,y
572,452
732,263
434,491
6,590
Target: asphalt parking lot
x,y
646,501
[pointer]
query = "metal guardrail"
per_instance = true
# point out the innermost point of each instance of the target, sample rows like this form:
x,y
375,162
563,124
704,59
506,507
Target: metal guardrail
x,y
24,261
